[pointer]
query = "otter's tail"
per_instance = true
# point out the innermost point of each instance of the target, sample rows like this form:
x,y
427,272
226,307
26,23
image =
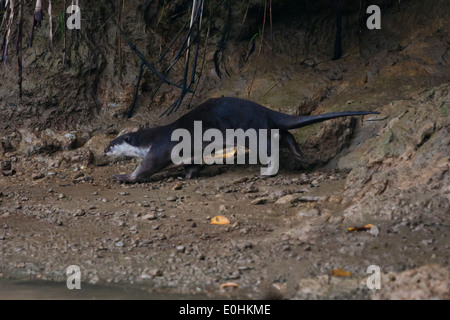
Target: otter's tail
x,y
293,122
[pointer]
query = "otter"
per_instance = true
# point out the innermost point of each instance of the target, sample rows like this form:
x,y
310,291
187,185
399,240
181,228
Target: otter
x,y
155,145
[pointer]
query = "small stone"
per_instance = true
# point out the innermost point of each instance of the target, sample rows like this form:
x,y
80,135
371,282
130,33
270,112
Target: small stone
x,y
155,273
315,183
309,213
240,180
335,199
37,176
144,204
94,280
181,249
61,196
259,201
311,198
124,193
149,216
374,231
251,189
288,199
119,244
80,213
78,175
171,198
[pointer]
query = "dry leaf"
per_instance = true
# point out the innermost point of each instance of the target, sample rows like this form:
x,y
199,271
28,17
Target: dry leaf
x,y
220,220
178,186
341,273
229,284
366,227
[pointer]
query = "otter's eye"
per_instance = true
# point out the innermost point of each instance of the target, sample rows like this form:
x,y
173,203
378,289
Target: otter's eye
x,y
127,139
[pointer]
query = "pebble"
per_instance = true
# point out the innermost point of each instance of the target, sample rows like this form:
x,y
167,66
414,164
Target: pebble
x,y
149,216
154,273
335,199
311,198
80,213
119,244
38,176
289,199
181,249
309,212
259,201
171,198
315,183
61,196
94,280
374,231
240,180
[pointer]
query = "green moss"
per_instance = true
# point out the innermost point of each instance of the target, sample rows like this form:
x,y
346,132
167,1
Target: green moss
x,y
444,108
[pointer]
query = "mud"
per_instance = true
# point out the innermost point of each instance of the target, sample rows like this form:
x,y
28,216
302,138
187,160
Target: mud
x,y
288,236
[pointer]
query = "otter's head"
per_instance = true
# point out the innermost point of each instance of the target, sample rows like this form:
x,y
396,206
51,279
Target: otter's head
x,y
126,145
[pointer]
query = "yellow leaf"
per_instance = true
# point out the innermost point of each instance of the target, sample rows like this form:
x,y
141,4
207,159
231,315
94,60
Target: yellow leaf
x,y
178,186
229,284
341,273
220,220
366,227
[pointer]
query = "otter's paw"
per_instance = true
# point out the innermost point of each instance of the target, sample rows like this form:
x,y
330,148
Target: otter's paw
x,y
122,178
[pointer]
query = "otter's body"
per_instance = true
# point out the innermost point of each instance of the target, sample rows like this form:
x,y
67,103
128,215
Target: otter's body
x,y
154,145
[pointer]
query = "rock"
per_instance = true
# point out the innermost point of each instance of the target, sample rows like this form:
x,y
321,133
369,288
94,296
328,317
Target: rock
x,y
37,175
288,199
181,249
311,198
80,156
171,199
309,212
96,145
374,231
45,142
150,216
94,280
335,199
155,273
240,180
251,189
259,201
315,183
119,244
425,133
80,213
